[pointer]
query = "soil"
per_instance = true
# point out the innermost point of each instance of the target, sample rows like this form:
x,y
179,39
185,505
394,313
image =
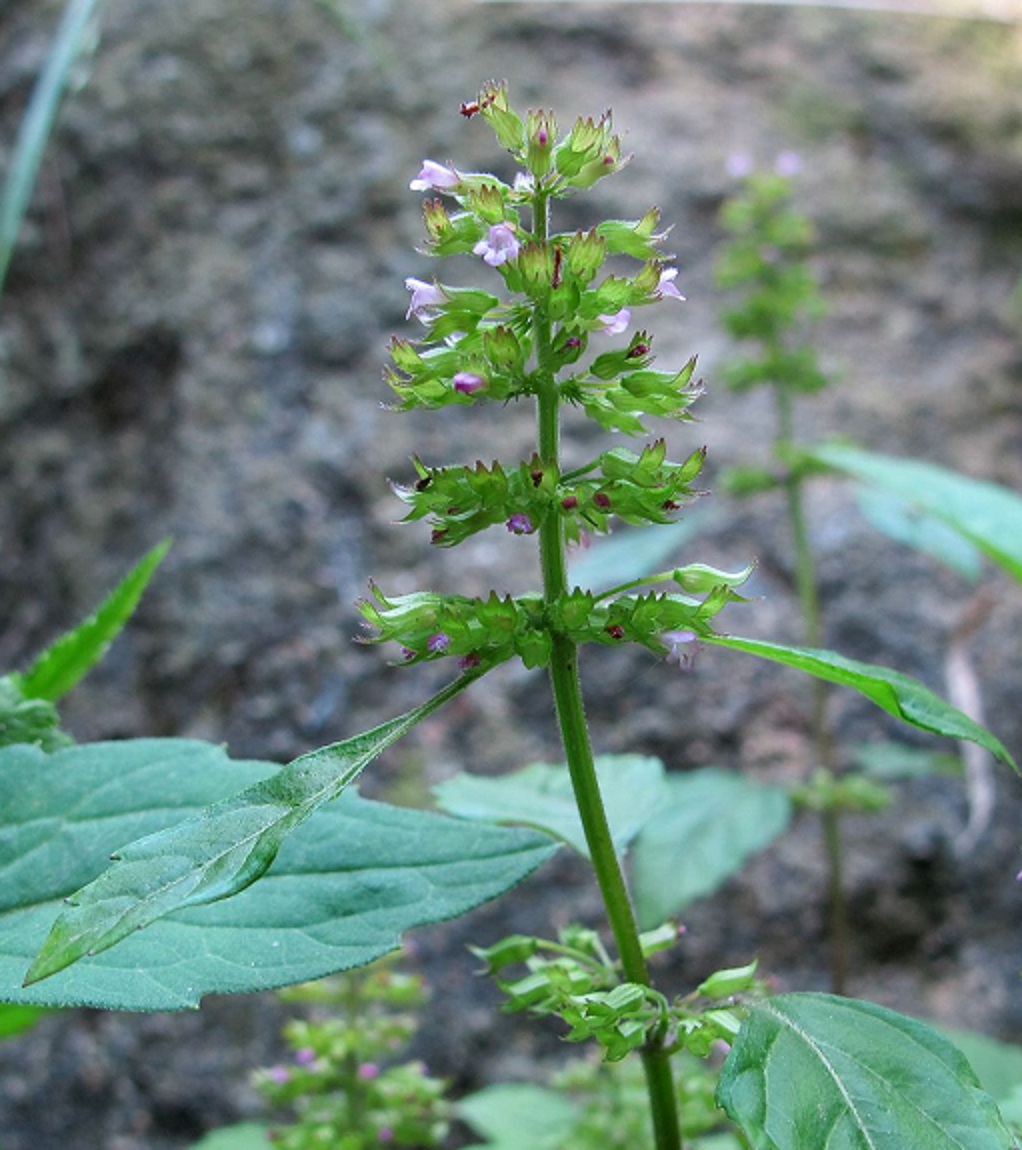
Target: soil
x,y
191,344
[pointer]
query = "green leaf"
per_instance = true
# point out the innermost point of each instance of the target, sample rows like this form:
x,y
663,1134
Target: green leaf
x,y
68,42
541,796
518,1116
708,824
895,693
339,894
988,515
17,1019
217,852
67,661
813,1070
997,1065
889,760
906,523
28,720
245,1136
632,553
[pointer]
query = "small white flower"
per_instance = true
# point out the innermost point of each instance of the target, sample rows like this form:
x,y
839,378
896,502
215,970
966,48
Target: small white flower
x,y
425,296
666,288
617,323
435,177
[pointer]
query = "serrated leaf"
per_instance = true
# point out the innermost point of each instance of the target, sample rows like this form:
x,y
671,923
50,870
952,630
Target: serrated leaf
x,y
897,694
340,893
988,515
67,661
814,1070
708,824
540,795
217,852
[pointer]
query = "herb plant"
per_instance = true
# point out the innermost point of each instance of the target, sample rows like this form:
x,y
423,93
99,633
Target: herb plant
x,y
246,876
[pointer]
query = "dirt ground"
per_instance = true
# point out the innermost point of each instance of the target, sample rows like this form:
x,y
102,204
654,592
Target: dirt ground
x,y
191,343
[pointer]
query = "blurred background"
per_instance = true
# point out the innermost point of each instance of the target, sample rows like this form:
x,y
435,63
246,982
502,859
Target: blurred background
x,y
192,335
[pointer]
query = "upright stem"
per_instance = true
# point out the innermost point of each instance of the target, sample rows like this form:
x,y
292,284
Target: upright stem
x,y
567,692
809,599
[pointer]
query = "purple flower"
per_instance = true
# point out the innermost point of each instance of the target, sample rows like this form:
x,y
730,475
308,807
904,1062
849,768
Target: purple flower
x,y
368,1071
468,382
386,1134
425,296
677,642
519,524
617,323
280,1075
435,177
305,1056
666,288
788,163
739,165
501,244
438,643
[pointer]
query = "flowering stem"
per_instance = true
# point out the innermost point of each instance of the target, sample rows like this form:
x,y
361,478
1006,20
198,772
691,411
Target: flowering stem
x,y
567,692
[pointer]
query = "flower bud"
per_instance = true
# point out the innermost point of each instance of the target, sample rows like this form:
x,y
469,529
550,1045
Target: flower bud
x,y
503,349
495,110
536,269
540,133
586,254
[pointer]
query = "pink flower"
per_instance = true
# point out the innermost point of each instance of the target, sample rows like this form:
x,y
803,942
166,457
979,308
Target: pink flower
x,y
305,1056
425,296
436,645
739,165
665,288
280,1075
435,177
468,383
501,244
519,524
386,1134
676,642
617,323
368,1071
788,163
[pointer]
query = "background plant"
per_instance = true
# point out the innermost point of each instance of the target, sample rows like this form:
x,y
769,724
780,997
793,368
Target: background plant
x,y
356,874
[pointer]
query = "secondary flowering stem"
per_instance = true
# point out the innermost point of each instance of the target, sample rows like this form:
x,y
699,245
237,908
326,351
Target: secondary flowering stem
x,y
568,702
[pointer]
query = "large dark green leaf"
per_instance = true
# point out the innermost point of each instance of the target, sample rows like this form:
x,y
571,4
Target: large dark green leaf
x,y
895,693
812,1070
540,795
340,893
66,661
708,823
987,515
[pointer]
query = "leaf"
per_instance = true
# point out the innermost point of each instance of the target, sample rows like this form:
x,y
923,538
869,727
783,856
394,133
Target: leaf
x,y
632,553
244,1136
67,661
216,852
340,893
540,795
893,692
28,720
988,515
899,520
17,1019
813,1070
891,760
997,1065
708,824
519,1116
37,123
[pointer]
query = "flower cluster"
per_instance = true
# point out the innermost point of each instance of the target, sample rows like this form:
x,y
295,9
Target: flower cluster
x,y
561,327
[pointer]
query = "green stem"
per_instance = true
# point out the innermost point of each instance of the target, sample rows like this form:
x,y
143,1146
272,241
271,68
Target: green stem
x,y
567,692
809,600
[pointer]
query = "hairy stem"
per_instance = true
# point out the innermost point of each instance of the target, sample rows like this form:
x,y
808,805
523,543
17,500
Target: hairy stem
x,y
567,692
